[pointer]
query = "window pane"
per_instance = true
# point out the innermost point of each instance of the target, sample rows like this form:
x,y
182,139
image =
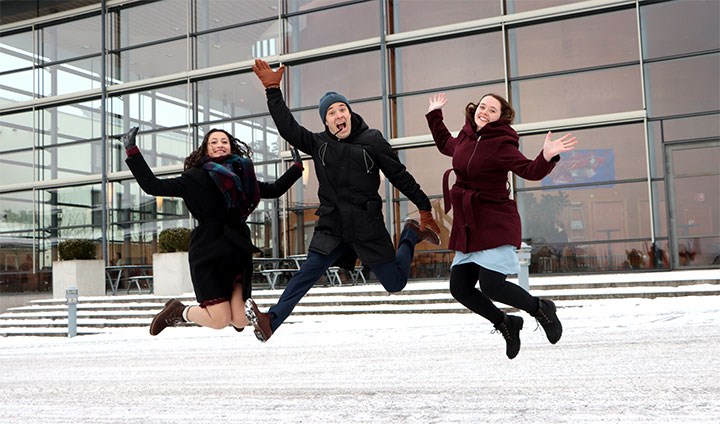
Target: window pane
x,y
215,14
683,85
678,27
152,22
582,94
574,43
236,95
152,61
16,87
417,14
238,44
16,167
333,26
70,77
16,131
695,160
70,160
16,51
464,60
64,124
71,39
357,76
691,128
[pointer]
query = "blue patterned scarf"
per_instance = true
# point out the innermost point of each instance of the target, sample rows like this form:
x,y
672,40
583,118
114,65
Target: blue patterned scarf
x,y
235,177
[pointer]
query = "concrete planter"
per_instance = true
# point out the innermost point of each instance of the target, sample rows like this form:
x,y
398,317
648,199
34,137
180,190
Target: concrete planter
x,y
88,275
171,274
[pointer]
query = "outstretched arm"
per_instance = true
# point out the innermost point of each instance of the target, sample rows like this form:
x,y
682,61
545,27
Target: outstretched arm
x,y
144,175
444,141
286,180
285,122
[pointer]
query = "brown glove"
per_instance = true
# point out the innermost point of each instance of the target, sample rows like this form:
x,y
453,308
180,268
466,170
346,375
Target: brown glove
x,y
268,77
427,220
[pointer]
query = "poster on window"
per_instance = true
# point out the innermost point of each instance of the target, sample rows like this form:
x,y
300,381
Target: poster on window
x,y
583,166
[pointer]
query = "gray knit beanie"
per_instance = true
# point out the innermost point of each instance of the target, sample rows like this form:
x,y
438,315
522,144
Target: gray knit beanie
x,y
328,99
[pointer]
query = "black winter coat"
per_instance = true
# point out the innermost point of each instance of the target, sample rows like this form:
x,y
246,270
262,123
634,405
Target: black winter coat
x,y
220,246
348,173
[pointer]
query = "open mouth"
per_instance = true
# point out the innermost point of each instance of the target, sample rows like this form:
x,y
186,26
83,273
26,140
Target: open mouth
x,y
341,126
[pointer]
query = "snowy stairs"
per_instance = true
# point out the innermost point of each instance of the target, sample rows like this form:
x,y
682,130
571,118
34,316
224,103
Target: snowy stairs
x,y
103,314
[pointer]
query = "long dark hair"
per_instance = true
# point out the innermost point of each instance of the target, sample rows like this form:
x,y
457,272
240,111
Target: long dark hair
x,y
507,113
199,156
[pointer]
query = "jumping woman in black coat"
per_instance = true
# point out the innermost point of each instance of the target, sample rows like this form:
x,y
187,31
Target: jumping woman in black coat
x,y
220,190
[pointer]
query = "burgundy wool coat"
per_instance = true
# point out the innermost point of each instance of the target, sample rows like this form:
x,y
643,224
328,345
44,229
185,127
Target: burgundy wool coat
x,y
485,217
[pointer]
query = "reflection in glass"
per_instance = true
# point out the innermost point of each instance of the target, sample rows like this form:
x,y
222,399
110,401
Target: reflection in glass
x,y
602,154
237,44
16,51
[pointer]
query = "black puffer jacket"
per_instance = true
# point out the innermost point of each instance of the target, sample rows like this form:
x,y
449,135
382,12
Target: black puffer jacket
x,y
349,175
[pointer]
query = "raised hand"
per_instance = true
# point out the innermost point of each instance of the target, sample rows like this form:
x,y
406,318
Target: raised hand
x,y
555,147
128,139
268,77
437,101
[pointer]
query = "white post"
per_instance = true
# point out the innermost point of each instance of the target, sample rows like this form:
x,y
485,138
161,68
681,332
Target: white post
x,y
524,258
71,294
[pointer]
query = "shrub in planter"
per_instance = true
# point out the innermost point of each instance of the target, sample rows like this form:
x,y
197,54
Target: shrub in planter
x,y
174,240
76,249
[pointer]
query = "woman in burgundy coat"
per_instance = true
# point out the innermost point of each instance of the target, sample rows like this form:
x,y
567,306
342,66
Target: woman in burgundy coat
x,y
220,190
486,226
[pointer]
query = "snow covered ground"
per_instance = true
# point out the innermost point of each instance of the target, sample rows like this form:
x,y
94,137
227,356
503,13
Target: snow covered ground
x,y
625,360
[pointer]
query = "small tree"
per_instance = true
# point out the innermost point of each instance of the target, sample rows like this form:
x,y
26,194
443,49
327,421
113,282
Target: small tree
x,y
174,240
76,249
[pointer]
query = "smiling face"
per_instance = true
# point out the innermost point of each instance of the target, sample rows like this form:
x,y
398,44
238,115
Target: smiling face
x,y
218,144
337,119
489,110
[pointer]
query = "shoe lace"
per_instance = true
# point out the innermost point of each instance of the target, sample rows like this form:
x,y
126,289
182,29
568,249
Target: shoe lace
x,y
503,330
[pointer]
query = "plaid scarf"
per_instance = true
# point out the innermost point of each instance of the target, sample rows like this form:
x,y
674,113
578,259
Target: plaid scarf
x,y
235,177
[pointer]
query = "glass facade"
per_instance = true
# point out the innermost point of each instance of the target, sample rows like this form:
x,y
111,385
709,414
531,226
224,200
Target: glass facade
x,y
635,80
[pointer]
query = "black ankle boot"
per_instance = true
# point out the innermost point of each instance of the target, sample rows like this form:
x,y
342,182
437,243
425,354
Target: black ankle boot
x,y
510,330
547,317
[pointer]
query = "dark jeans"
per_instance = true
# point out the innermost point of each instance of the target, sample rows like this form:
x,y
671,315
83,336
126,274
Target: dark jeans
x,y
393,275
493,286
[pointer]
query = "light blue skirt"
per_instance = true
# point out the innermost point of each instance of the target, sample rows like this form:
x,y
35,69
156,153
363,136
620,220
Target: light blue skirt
x,y
501,259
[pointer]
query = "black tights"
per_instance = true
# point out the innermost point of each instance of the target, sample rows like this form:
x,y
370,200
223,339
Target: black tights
x,y
493,286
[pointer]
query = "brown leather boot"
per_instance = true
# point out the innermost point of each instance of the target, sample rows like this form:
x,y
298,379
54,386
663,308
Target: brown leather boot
x,y
427,234
259,320
170,316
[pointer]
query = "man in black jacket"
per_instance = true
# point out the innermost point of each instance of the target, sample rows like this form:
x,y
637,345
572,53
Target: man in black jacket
x,y
348,158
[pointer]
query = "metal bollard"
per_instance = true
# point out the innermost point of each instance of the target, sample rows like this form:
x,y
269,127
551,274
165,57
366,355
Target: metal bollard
x,y
71,294
524,258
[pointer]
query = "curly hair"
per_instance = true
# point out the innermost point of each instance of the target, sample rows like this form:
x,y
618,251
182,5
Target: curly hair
x,y
507,113
199,156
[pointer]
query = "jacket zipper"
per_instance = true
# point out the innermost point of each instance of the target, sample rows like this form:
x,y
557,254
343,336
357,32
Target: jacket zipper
x,y
471,155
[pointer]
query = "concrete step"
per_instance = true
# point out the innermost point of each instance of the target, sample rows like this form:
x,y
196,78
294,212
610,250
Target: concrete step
x,y
48,317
